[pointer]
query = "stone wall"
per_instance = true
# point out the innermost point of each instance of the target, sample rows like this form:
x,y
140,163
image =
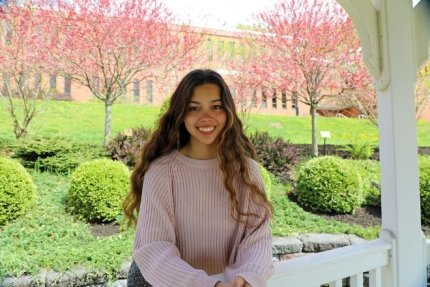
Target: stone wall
x,y
283,248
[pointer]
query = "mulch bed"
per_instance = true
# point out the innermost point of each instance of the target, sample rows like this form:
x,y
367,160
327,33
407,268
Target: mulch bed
x,y
104,229
365,216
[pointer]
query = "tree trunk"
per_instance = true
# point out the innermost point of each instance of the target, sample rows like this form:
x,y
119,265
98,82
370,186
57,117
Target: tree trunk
x,y
314,130
108,121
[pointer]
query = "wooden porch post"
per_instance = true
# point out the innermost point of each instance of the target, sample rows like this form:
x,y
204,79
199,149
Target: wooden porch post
x,y
390,51
398,145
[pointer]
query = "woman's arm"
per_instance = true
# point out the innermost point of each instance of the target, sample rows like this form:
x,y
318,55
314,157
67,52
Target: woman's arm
x,y
254,257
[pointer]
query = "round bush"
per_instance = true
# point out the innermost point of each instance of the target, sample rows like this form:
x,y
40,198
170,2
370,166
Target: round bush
x,y
369,171
424,171
17,190
97,190
329,184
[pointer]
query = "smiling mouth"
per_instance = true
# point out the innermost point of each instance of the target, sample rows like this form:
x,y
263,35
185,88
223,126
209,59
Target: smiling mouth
x,y
206,129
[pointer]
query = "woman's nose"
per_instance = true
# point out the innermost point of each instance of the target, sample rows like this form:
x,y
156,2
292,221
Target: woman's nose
x,y
206,114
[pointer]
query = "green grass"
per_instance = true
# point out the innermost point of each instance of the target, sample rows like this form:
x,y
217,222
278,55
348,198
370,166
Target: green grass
x,y
84,122
49,238
289,218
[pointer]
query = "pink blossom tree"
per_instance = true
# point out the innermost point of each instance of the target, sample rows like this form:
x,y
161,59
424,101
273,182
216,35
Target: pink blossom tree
x,y
309,45
108,45
23,61
364,97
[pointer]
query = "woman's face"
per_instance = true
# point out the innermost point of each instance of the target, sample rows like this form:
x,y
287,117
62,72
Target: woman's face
x,y
205,118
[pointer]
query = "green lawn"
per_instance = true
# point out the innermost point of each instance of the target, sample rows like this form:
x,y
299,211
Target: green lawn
x,y
85,122
49,238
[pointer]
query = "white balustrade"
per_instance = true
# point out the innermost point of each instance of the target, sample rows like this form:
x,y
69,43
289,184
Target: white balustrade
x,y
328,268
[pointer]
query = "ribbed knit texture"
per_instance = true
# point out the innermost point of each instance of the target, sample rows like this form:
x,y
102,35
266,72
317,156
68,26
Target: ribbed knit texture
x,y
185,231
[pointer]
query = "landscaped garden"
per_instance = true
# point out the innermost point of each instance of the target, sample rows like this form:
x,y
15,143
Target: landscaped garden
x,y
51,231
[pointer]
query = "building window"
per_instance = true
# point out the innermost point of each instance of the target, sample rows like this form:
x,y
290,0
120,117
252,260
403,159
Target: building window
x,y
123,90
242,52
231,50
263,100
149,91
6,84
136,91
284,100
294,100
274,100
67,86
96,83
209,50
243,103
53,82
37,81
21,80
254,99
220,49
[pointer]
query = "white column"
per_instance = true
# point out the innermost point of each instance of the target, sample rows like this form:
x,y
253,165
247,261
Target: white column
x,y
398,148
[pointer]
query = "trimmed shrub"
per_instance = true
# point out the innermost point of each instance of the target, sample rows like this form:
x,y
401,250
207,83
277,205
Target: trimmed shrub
x,y
275,154
424,172
266,180
17,190
97,190
56,155
330,185
370,172
127,146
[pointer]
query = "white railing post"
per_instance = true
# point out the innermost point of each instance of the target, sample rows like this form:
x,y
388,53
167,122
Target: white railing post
x,y
389,272
356,280
337,283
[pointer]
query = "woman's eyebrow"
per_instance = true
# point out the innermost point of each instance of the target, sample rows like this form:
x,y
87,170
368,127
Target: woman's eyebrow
x,y
212,101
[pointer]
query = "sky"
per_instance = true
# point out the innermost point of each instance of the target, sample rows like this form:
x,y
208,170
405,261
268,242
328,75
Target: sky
x,y
220,13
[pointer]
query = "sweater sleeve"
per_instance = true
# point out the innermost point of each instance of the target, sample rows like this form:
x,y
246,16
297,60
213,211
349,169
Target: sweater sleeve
x,y
155,251
254,256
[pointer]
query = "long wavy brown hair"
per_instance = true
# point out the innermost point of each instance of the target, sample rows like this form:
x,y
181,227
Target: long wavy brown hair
x,y
233,149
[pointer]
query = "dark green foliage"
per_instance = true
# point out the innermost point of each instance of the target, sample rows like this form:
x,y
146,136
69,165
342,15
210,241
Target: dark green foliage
x,y
127,146
329,184
97,190
164,107
424,171
370,172
17,190
6,147
266,180
359,150
57,155
275,154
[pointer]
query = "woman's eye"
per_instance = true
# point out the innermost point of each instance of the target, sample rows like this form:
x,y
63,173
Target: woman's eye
x,y
192,109
217,107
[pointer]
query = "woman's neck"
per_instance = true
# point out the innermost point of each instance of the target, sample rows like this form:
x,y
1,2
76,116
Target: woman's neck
x,y
202,152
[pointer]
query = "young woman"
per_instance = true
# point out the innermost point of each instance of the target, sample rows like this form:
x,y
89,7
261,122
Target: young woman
x,y
199,195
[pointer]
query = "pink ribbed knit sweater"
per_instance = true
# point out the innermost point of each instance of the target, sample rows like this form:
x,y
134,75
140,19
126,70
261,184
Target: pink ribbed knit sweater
x,y
185,231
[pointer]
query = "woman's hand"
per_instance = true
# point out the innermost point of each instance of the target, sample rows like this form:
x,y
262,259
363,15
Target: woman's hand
x,y
237,282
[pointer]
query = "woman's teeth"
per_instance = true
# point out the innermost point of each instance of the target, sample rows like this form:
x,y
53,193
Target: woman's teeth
x,y
206,129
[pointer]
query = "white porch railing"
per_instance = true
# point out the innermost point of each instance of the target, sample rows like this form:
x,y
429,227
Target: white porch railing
x,y
330,267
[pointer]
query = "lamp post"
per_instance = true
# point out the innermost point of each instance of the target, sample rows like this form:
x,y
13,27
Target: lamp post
x,y
325,135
